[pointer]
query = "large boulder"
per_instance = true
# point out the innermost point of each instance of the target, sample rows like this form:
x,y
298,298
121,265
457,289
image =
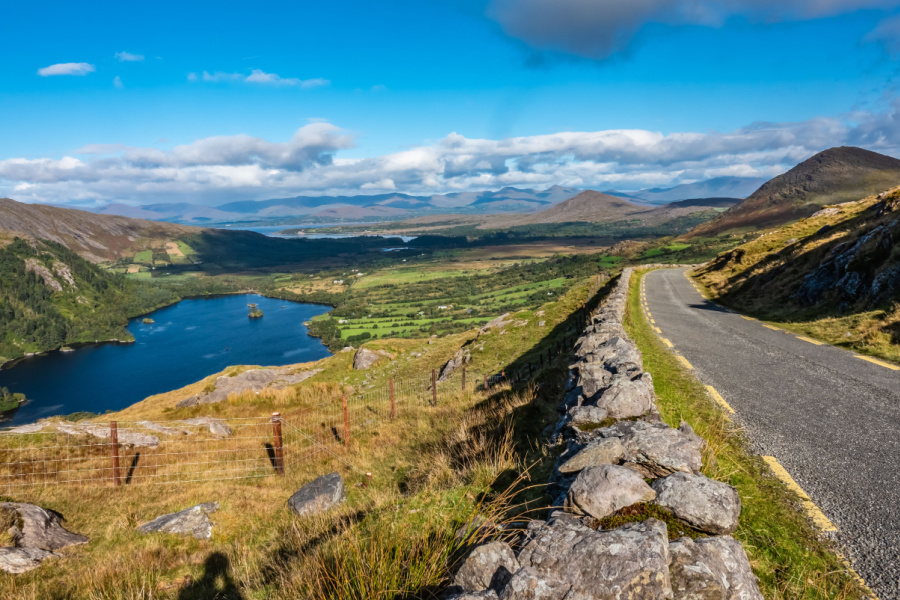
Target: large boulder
x,y
657,447
461,358
37,527
605,451
193,521
627,396
714,568
487,566
703,503
20,560
365,358
631,561
319,495
602,490
530,584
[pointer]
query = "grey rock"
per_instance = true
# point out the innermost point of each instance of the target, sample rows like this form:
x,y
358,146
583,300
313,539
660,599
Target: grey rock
x,y
657,447
619,355
530,584
461,358
39,528
605,451
20,560
216,427
487,566
255,380
365,358
703,503
498,323
628,396
631,561
482,595
593,379
714,568
192,521
602,490
124,436
320,495
587,415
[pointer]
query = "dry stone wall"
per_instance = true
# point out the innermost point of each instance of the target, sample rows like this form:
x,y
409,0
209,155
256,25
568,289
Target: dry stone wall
x,y
617,453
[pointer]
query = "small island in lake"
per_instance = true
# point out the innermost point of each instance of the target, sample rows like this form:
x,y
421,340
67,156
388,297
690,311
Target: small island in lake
x,y
255,312
9,401
148,321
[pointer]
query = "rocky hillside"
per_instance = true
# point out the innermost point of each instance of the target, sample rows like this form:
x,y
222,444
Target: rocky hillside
x,y
97,238
841,263
597,207
49,297
830,177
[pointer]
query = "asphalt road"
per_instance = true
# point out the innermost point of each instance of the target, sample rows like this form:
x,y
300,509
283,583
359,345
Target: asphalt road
x,y
831,419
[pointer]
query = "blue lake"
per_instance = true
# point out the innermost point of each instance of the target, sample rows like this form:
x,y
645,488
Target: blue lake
x,y
188,341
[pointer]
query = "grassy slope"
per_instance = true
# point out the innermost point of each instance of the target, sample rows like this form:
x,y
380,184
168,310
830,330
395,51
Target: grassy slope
x,y
785,551
783,257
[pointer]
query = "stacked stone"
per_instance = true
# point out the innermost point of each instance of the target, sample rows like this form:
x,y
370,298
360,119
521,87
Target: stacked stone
x,y
618,453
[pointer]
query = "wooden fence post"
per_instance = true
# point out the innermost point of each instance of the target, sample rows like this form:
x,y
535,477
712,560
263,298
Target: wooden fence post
x,y
114,445
464,380
485,383
346,422
393,408
279,445
433,387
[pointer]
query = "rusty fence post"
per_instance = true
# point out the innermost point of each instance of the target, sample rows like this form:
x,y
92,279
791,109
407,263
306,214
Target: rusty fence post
x,y
278,443
114,446
393,407
346,422
485,383
433,387
464,380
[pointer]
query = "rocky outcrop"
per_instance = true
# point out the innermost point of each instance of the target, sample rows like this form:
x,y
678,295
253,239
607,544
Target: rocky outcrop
x,y
601,471
365,358
459,360
20,560
193,521
487,567
318,496
37,533
254,380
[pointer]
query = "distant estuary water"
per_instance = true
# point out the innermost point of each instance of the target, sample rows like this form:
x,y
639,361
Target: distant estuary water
x,y
187,342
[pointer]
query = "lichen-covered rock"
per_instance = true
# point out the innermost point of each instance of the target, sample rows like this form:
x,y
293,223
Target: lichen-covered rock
x,y
593,379
482,595
703,503
39,528
365,358
631,561
529,584
461,358
193,521
657,447
714,568
619,355
628,397
602,490
320,495
581,416
487,566
20,560
605,451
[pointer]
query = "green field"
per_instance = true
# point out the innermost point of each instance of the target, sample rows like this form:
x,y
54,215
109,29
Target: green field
x,y
144,257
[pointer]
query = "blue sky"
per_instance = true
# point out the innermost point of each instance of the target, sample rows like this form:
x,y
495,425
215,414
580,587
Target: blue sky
x,y
211,102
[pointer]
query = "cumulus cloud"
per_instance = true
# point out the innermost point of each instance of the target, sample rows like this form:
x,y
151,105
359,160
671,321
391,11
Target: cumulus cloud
x,y
599,28
129,57
258,76
887,34
79,68
218,169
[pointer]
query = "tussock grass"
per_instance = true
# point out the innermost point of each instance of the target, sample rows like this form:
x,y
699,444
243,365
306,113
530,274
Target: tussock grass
x,y
786,552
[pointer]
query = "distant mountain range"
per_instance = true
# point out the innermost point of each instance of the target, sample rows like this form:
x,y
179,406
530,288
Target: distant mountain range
x,y
397,205
830,177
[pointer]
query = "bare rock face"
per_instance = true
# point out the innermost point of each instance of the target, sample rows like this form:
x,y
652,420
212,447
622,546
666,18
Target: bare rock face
x,y
628,397
124,436
600,491
192,521
605,451
20,560
631,561
461,358
714,568
365,358
255,380
703,503
530,584
40,528
657,447
498,323
487,566
318,496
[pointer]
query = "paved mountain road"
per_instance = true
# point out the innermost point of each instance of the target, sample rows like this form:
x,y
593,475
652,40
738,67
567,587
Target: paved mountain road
x,y
831,419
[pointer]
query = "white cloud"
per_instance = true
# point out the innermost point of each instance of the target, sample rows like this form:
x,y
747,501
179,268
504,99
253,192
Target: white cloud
x,y
258,76
129,57
888,35
600,28
67,69
117,82
218,169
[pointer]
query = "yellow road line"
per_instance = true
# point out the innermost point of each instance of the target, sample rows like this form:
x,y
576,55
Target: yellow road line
x,y
718,398
880,363
657,330
685,362
652,321
748,318
810,340
772,327
667,343
815,515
